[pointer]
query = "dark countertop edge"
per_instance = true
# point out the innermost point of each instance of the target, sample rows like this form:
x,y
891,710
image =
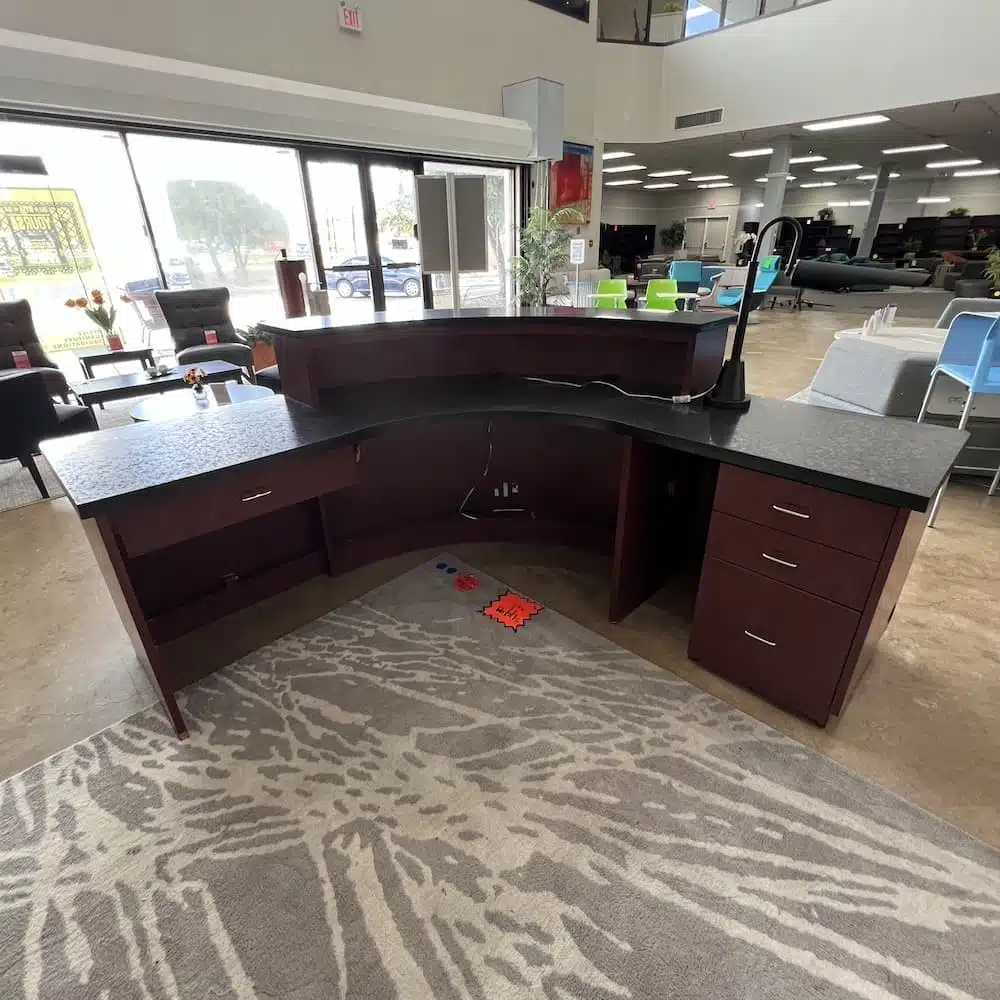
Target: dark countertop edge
x,y
795,473
705,321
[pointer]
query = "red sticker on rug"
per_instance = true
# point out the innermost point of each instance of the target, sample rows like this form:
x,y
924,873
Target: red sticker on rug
x,y
466,582
511,610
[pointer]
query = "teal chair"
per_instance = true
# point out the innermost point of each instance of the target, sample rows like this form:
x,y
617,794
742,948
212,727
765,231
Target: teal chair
x,y
687,274
612,293
661,293
766,276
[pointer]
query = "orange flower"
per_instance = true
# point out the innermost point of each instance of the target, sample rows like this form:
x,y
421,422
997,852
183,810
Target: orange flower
x,y
82,303
71,303
98,296
126,298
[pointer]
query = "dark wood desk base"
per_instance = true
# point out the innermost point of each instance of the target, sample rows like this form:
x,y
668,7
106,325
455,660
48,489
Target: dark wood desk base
x,y
186,558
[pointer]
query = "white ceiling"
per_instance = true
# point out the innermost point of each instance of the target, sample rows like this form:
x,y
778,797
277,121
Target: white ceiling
x,y
970,127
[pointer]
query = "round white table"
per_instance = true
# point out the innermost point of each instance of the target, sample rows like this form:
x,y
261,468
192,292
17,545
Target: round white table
x,y
182,402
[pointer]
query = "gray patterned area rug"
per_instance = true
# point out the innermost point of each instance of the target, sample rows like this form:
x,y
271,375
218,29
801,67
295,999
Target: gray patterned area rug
x,y
412,799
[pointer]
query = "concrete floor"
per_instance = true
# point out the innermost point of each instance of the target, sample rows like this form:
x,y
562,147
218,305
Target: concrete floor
x,y
924,722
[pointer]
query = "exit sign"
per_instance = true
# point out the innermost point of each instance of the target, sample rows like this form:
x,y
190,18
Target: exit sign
x,y
349,17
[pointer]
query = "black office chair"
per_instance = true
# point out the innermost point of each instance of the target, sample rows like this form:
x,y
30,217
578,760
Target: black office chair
x,y
28,416
189,313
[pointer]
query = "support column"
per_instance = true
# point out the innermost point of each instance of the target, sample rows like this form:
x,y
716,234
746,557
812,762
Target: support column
x,y
774,191
879,190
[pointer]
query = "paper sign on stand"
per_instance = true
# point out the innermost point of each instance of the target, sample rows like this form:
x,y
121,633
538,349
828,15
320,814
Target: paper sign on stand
x,y
577,255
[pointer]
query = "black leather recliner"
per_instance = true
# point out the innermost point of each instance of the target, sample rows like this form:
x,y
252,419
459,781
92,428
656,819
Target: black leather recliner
x,y
190,313
17,333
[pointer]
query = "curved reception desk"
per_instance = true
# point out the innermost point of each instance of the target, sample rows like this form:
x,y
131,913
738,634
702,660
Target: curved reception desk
x,y
799,523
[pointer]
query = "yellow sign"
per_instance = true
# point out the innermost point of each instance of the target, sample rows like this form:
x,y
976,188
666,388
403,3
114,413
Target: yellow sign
x,y
43,235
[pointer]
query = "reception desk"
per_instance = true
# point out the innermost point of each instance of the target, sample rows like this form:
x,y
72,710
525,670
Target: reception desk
x,y
799,523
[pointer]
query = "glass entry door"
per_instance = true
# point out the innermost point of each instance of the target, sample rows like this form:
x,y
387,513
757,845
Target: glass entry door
x,y
364,215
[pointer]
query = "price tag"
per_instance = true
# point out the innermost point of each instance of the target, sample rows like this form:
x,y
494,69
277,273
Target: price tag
x,y
21,359
115,342
211,337
349,18
577,251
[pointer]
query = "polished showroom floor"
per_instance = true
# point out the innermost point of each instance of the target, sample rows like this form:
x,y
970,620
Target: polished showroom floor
x,y
924,722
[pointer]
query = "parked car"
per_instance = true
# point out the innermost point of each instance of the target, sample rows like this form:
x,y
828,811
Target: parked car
x,y
399,279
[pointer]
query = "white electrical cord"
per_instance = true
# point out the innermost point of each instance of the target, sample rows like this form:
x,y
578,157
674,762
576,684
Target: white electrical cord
x,y
617,388
482,478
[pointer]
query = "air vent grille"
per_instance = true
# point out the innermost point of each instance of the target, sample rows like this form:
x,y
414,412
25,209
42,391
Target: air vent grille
x,y
698,118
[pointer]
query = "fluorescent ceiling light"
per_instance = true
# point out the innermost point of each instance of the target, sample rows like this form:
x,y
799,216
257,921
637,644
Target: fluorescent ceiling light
x,y
807,159
710,177
759,204
860,204
744,154
820,184
841,168
763,180
872,177
618,154
839,204
933,201
845,123
985,172
929,148
656,187
698,11
613,184
944,164
625,169
669,173
723,185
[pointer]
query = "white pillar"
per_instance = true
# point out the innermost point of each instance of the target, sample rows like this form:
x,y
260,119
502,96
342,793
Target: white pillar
x,y
774,191
879,191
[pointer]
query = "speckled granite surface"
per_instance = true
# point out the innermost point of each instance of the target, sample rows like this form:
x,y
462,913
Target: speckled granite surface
x,y
891,461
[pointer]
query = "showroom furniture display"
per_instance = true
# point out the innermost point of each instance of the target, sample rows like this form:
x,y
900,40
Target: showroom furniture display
x,y
192,312
28,416
687,274
662,293
96,357
17,333
103,390
970,356
378,447
612,293
730,298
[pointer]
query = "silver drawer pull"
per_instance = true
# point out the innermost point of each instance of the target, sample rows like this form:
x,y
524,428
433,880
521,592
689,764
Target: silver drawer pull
x,y
780,562
766,642
257,496
785,510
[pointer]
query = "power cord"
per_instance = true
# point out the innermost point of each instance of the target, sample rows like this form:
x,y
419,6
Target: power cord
x,y
631,395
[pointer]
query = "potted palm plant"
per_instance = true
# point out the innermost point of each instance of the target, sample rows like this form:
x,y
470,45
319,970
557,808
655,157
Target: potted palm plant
x,y
993,270
261,345
544,251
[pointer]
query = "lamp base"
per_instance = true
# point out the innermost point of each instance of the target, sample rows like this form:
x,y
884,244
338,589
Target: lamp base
x,y
730,392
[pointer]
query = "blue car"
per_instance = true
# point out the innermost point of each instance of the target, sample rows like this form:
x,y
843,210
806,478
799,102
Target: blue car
x,y
400,279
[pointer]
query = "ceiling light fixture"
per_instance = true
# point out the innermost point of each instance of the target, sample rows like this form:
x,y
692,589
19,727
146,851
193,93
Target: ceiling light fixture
x,y
745,154
669,173
724,184
617,154
860,204
759,204
841,168
820,184
807,159
614,184
872,177
929,148
709,177
656,187
839,204
625,169
933,201
845,123
764,180
945,164
985,172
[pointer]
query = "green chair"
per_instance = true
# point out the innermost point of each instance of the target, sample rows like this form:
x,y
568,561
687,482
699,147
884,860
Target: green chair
x,y
612,293
661,293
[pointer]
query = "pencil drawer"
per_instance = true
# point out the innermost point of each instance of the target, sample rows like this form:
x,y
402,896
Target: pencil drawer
x,y
239,496
842,522
780,642
826,572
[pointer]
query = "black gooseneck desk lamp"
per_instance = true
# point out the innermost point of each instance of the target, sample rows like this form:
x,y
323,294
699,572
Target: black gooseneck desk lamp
x,y
730,392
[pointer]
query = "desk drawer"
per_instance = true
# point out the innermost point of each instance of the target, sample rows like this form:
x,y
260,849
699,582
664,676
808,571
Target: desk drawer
x,y
782,643
835,519
193,510
838,576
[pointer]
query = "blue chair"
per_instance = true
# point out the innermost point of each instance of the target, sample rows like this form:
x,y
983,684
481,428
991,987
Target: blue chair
x,y
970,356
766,276
687,274
709,276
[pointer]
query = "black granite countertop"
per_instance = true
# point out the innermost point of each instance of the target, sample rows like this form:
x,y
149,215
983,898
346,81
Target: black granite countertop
x,y
311,326
882,459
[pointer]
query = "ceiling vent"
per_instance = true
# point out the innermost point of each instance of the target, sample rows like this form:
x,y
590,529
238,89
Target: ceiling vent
x,y
698,118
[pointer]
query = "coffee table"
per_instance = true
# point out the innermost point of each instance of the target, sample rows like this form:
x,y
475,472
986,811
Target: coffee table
x,y
91,357
102,390
183,403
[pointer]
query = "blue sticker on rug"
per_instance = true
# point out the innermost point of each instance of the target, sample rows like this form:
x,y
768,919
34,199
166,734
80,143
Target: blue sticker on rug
x,y
451,569
442,566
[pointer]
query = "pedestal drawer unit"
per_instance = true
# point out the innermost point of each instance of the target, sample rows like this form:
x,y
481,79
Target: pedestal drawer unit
x,y
789,588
